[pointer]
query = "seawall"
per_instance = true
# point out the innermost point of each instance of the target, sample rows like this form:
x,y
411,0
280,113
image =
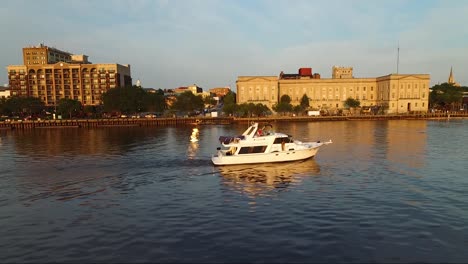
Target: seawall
x,y
145,122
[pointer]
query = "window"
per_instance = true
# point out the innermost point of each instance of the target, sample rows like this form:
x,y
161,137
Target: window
x,y
256,149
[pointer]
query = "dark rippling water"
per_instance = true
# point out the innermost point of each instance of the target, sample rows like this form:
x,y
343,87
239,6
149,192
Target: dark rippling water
x,y
384,191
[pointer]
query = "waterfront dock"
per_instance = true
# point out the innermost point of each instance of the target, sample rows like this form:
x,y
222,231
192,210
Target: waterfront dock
x,y
146,122
113,122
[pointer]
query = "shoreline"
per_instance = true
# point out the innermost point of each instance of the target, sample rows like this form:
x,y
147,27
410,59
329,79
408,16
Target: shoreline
x,y
194,121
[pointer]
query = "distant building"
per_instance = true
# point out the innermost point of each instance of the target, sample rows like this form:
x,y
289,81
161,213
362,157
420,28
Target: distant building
x,y
192,88
51,74
396,93
342,72
220,91
4,92
150,90
181,89
451,80
195,89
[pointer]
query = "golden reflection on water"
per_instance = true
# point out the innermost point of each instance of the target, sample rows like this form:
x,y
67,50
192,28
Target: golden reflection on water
x,y
259,179
193,144
192,150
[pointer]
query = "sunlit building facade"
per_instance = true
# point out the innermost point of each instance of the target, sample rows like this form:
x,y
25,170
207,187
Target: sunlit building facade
x,y
51,74
396,93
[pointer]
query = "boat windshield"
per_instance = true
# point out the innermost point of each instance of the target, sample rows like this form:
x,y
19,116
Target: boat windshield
x,y
268,129
280,140
249,132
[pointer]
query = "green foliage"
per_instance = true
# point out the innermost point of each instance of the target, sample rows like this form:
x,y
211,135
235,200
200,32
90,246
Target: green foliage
x,y
242,110
284,105
229,101
304,102
298,109
285,99
187,102
132,99
261,110
251,109
154,102
21,106
68,106
210,101
446,96
350,102
90,110
3,109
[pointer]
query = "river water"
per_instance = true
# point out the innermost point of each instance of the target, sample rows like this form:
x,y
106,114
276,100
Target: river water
x,y
384,191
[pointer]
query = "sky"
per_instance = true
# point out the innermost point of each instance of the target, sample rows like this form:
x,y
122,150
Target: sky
x,y
173,43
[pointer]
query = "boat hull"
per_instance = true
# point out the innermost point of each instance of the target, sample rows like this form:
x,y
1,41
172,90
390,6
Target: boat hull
x,y
281,156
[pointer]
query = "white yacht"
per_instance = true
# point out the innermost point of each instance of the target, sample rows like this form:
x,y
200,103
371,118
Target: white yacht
x,y
263,145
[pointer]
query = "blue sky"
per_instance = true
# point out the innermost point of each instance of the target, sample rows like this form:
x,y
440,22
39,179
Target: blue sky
x,y
172,43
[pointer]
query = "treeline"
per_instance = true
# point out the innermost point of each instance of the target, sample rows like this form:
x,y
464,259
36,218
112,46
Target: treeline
x,y
122,100
446,96
134,99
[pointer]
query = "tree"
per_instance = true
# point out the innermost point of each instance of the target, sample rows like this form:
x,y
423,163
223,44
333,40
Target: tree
x,y
23,106
297,109
210,101
284,105
242,110
128,99
304,102
3,108
188,102
229,103
446,96
68,106
90,110
261,110
154,102
350,102
285,99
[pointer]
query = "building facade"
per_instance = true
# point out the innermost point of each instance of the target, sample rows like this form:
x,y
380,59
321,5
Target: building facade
x,y
51,74
220,91
4,92
396,93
